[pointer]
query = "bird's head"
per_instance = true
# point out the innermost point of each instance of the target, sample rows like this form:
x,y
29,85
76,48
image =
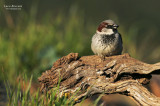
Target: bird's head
x,y
107,27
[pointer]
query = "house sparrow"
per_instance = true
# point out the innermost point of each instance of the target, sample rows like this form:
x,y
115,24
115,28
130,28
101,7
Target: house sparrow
x,y
107,41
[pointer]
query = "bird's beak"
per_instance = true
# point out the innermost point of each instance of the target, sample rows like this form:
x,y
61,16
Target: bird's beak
x,y
115,26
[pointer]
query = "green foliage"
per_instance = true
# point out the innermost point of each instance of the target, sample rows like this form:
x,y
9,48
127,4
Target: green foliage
x,y
17,97
31,47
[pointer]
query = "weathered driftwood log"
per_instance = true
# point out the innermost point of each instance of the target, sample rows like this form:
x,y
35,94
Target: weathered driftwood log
x,y
90,75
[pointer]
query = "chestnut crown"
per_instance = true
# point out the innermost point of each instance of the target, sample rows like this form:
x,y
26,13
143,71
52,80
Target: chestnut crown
x,y
107,24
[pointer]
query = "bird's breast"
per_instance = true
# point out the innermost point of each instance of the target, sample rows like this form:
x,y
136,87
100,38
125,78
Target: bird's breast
x,y
105,44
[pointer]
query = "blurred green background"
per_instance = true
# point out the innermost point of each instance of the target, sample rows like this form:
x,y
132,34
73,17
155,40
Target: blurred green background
x,y
32,38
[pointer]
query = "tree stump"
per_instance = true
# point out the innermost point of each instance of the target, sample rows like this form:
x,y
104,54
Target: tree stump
x,y
90,75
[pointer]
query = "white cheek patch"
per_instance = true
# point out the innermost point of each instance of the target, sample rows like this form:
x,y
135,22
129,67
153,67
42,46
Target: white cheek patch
x,y
106,31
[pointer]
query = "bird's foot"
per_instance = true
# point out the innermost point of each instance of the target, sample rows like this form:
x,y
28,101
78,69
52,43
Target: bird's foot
x,y
103,58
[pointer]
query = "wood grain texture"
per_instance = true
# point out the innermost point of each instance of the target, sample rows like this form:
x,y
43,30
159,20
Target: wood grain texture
x,y
90,75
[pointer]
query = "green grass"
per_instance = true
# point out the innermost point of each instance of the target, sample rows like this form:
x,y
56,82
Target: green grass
x,y
29,46
17,97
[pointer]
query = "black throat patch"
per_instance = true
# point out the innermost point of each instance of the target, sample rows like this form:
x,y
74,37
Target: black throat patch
x,y
108,39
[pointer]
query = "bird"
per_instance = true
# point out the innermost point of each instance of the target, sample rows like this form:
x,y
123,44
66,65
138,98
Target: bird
x,y
107,41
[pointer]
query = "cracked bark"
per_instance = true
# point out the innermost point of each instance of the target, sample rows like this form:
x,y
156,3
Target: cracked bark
x,y
117,74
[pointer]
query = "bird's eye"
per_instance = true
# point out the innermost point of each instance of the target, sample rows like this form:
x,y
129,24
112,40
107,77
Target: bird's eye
x,y
109,26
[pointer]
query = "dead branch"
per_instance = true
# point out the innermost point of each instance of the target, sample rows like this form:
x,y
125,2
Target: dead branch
x,y
89,74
